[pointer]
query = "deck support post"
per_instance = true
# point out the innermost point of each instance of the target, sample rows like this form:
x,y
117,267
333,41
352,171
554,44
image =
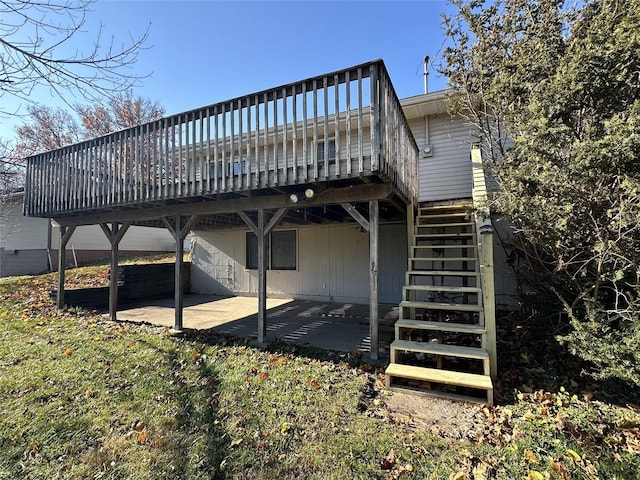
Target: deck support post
x,y
65,235
114,235
373,278
370,226
179,232
178,289
262,230
262,279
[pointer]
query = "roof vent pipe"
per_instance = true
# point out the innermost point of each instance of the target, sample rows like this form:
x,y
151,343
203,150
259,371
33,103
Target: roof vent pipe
x,y
426,74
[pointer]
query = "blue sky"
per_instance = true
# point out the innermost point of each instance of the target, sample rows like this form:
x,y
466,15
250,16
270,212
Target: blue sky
x,y
203,52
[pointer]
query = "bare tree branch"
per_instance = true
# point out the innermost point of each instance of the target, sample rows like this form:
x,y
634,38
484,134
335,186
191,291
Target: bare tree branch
x,y
38,48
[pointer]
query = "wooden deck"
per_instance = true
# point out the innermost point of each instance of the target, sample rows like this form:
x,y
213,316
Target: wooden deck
x,y
342,128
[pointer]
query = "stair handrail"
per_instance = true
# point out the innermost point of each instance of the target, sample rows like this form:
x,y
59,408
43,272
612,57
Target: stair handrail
x,y
484,232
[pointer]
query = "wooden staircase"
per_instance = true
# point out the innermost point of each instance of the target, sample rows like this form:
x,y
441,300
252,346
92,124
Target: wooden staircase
x,y
443,337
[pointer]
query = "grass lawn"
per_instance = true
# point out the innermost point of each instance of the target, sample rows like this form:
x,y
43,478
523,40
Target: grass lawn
x,y
84,398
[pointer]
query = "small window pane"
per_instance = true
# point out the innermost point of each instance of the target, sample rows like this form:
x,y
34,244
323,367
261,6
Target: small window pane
x,y
252,251
283,250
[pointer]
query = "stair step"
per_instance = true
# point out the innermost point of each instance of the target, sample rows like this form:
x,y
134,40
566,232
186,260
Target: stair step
x,y
443,215
446,225
441,306
442,288
443,259
444,273
435,247
448,377
422,236
440,349
440,326
464,204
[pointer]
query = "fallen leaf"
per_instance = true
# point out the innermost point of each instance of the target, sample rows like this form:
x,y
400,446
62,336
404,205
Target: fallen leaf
x,y
276,360
263,376
68,351
561,469
138,426
142,437
32,449
284,429
387,464
530,456
481,472
573,454
458,476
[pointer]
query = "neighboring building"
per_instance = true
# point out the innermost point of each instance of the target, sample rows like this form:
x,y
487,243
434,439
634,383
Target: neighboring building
x,y
29,245
329,189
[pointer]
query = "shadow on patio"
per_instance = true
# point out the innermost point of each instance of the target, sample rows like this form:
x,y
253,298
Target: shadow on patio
x,y
331,326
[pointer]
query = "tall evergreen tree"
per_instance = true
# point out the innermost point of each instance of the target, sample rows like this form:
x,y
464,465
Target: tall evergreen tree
x,y
555,95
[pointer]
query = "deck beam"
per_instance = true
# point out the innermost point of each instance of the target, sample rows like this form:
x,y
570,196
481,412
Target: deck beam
x,y
352,194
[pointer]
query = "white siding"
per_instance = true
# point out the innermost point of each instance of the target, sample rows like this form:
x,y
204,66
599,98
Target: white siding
x,y
91,237
447,173
23,262
332,265
18,232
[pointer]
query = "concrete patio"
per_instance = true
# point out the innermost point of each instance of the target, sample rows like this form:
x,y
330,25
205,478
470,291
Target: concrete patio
x,y
332,326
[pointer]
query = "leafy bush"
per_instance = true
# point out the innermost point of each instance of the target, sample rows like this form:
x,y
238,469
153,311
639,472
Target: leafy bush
x,y
555,95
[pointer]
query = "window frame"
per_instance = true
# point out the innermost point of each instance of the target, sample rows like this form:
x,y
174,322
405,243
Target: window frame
x,y
251,241
332,151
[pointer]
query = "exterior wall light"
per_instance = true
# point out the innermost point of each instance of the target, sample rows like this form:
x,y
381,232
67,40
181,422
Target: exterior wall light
x,y
297,197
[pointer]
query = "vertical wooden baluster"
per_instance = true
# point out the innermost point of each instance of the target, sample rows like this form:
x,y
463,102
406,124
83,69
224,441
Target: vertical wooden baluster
x,y
347,81
325,125
265,142
360,126
336,128
305,135
314,146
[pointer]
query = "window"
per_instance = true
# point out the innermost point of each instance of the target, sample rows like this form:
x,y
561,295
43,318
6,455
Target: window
x,y
332,152
281,250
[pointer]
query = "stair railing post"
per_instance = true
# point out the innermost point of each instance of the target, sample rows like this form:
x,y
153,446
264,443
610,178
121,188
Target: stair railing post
x,y
488,295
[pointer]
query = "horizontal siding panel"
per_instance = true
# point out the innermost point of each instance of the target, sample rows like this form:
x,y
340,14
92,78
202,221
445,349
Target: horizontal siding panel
x,y
23,262
143,239
332,265
21,233
447,173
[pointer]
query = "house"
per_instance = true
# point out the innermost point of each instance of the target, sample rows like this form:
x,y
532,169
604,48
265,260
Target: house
x,y
29,245
329,188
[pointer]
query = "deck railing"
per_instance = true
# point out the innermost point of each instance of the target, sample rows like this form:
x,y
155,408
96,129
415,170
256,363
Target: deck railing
x,y
341,125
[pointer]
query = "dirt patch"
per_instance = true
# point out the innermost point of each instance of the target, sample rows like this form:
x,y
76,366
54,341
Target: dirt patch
x,y
441,417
